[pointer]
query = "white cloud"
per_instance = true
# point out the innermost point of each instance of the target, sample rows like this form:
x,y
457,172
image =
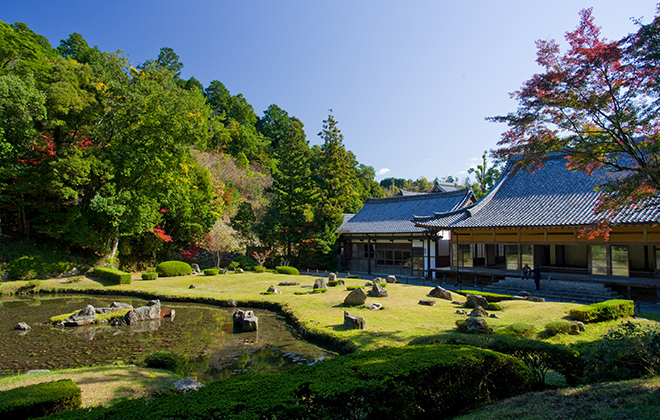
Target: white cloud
x,y
382,171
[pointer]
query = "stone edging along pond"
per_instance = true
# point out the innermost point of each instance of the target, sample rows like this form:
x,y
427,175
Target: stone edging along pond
x,y
340,345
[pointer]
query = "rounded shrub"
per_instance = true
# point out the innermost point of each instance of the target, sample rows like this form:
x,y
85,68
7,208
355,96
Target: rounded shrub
x,y
287,270
332,283
173,268
558,327
211,271
149,275
164,360
259,269
520,330
494,307
354,287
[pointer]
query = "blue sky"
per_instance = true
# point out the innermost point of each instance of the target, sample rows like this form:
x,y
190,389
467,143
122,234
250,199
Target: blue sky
x,y
410,82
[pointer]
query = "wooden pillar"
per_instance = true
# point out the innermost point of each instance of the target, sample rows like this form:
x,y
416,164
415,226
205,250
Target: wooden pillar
x,y
369,255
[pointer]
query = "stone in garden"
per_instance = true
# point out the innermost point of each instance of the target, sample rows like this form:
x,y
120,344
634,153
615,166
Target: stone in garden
x,y
341,282
82,317
273,289
240,270
375,306
36,371
441,293
378,291
368,284
478,312
391,279
192,286
288,283
356,297
223,271
320,284
353,322
457,302
150,311
245,321
461,312
427,302
577,327
478,300
524,294
536,299
5,275
195,268
188,384
519,297
230,303
116,306
478,325
332,277
22,326
494,316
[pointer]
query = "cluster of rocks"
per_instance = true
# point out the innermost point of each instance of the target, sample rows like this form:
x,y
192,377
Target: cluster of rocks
x,y
245,321
480,304
474,325
189,384
523,295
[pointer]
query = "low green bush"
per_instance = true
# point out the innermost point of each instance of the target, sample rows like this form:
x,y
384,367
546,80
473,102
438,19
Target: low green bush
x,y
234,265
354,287
40,400
494,307
110,274
332,283
558,327
37,265
311,292
149,275
519,330
287,270
434,381
173,268
628,351
246,262
211,271
259,269
604,311
539,356
164,360
352,276
490,297
382,284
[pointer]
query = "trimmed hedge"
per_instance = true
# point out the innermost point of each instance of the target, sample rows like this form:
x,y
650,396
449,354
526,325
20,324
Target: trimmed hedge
x,y
558,327
538,355
40,400
311,292
115,276
173,268
604,311
287,270
490,297
494,307
259,269
434,381
354,287
332,283
151,275
519,330
211,271
164,360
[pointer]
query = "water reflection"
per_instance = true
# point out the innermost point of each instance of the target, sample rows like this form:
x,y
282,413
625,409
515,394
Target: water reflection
x,y
200,333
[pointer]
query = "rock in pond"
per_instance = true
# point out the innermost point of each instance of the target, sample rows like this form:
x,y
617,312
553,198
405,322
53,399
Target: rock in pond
x,y
82,317
150,311
245,321
353,322
356,297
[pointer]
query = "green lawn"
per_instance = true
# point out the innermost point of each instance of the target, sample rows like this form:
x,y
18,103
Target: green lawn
x,y
401,320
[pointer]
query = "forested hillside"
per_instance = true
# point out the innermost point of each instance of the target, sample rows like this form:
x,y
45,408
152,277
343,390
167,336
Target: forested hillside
x,y
127,164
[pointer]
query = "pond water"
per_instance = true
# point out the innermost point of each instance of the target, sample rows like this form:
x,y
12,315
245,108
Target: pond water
x,y
202,334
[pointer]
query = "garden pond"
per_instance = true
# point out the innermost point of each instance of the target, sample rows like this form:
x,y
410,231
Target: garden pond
x,y
202,334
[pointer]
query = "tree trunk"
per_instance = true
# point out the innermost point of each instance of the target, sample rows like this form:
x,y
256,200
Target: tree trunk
x,y
112,246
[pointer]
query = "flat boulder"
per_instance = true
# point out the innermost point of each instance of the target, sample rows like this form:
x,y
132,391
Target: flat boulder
x,y
288,283
427,302
82,317
356,297
523,293
375,306
22,326
478,300
144,313
536,299
245,321
353,322
378,291
441,293
320,284
461,312
116,306
478,312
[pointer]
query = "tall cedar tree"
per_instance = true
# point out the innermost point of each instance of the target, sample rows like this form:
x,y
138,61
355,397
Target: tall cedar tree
x,y
598,103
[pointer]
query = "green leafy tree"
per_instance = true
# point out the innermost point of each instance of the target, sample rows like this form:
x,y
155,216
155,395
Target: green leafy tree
x,y
486,176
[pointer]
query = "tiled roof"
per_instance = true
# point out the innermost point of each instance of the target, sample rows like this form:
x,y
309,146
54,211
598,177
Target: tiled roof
x,y
551,196
395,214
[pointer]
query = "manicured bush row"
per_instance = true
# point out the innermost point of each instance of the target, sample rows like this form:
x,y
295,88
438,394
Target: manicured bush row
x,y
490,297
558,327
115,276
411,382
603,311
537,355
39,400
211,271
354,287
173,268
311,292
287,270
149,275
